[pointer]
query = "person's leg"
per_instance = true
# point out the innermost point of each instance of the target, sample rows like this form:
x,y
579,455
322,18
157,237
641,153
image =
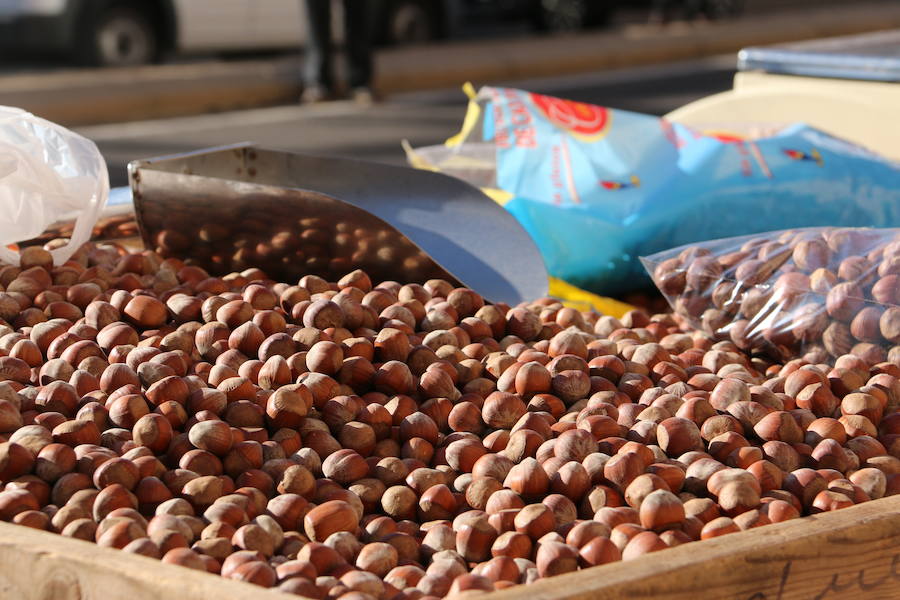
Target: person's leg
x,y
694,9
358,43
661,11
317,63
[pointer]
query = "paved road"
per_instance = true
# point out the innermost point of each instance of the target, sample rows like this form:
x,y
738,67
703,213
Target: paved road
x,y
423,118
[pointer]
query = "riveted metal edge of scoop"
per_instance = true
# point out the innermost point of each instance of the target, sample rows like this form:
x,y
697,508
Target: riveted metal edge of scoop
x,y
455,224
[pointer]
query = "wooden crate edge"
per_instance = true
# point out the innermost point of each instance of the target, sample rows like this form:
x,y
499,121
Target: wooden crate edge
x,y
39,565
847,554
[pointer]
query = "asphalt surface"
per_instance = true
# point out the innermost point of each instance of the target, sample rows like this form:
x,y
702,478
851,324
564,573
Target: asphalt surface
x,y
423,118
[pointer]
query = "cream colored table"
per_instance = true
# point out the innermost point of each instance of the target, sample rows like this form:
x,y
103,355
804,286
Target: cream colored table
x,y
847,86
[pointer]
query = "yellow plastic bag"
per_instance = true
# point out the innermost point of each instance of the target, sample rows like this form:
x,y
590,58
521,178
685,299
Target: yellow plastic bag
x,y
584,301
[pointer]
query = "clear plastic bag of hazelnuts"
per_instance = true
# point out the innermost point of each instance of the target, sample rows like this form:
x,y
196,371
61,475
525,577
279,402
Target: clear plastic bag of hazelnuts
x,y
818,293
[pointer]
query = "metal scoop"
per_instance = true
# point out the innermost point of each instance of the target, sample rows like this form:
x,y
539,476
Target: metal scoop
x,y
235,207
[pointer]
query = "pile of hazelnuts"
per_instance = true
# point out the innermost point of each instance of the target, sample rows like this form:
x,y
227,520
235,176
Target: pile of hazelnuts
x,y
372,440
265,233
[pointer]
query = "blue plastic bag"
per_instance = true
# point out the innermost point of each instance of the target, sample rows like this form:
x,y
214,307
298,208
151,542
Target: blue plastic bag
x,y
599,187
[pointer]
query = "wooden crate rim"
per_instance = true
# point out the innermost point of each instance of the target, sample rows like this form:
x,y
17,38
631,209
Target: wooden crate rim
x,y
850,553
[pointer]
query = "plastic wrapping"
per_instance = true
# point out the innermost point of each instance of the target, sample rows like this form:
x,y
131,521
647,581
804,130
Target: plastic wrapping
x,y
116,221
47,174
598,187
824,292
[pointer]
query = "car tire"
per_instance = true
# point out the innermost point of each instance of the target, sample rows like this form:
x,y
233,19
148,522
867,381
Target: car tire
x,y
120,36
409,22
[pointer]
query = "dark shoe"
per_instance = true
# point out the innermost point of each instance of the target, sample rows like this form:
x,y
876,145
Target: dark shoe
x,y
364,96
314,94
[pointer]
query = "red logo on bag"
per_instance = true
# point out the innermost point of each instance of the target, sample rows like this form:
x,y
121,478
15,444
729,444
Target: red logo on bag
x,y
725,137
585,121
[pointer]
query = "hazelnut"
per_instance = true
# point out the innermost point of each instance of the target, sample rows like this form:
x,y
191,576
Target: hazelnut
x,y
677,435
889,324
528,478
329,517
718,527
661,510
643,543
555,558
146,312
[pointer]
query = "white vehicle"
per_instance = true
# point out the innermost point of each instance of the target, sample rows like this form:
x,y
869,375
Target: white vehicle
x,y
133,32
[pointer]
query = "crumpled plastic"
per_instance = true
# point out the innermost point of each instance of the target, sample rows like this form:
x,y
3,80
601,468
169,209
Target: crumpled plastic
x,y
47,174
815,292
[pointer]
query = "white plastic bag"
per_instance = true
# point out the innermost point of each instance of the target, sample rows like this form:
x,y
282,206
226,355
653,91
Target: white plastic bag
x,y
47,174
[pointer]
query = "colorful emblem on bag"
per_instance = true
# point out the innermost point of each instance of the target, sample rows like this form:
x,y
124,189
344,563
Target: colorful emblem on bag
x,y
633,182
813,155
586,122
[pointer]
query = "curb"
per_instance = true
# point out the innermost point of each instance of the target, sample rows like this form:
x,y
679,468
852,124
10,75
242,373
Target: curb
x,y
115,95
636,46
